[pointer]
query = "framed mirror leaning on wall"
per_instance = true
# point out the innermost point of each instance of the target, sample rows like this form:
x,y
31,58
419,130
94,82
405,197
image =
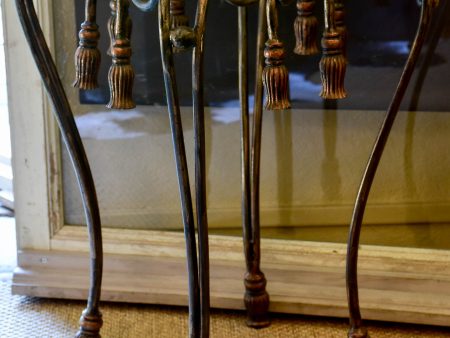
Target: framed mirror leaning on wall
x,y
313,157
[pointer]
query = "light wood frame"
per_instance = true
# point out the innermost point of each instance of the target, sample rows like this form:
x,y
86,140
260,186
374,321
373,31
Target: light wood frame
x,y
396,284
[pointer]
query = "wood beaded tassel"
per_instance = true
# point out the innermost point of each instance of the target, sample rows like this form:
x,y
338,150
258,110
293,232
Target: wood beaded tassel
x,y
121,73
339,14
87,55
305,28
177,16
333,64
275,74
112,25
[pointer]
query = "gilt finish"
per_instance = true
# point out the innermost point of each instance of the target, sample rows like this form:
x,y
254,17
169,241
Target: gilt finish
x,y
333,64
87,55
121,72
306,27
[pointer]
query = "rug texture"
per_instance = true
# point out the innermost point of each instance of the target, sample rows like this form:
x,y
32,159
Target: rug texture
x,y
28,317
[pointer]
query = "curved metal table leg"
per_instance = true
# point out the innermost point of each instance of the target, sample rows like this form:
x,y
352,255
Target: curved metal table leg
x,y
357,329
200,165
256,298
91,319
195,311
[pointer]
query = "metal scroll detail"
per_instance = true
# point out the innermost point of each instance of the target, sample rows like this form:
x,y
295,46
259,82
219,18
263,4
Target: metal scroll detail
x,y
357,330
91,319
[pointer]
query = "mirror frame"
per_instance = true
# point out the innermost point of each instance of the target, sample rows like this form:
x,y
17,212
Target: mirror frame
x,y
144,266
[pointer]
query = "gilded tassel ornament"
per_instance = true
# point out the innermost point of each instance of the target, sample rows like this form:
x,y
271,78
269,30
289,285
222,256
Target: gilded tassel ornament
x,y
121,73
178,17
333,64
87,55
339,15
275,75
305,28
112,24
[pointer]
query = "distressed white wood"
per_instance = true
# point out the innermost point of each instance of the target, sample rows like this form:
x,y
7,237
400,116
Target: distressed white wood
x,y
303,277
29,123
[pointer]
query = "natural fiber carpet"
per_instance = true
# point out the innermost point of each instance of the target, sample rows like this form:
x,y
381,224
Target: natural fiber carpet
x,y
33,317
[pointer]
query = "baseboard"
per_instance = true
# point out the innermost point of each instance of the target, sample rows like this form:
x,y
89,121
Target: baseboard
x,y
399,285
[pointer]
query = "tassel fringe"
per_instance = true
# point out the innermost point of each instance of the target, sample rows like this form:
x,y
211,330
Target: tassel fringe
x,y
305,28
333,66
275,77
87,57
121,77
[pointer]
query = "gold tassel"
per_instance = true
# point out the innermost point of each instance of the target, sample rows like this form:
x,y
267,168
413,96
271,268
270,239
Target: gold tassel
x,y
333,64
87,55
177,16
276,77
339,15
112,25
121,73
305,28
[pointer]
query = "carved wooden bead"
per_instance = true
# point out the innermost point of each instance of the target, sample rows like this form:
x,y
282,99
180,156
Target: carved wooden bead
x,y
332,43
121,50
305,7
89,34
274,53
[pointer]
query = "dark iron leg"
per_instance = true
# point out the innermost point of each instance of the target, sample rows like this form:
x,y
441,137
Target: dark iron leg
x,y
245,132
182,169
91,319
256,297
200,166
357,329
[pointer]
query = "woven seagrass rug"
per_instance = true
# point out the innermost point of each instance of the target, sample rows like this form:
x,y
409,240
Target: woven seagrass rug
x,y
28,317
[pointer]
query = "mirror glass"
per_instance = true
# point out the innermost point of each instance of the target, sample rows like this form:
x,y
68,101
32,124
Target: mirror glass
x,y
313,155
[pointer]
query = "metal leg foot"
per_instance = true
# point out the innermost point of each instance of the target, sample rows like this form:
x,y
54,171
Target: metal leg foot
x,y
256,300
90,324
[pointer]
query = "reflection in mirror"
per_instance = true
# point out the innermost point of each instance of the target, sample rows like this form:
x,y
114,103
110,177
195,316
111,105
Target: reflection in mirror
x,y
313,155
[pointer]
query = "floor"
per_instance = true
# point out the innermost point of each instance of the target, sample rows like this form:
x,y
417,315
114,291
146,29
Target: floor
x,y
24,317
